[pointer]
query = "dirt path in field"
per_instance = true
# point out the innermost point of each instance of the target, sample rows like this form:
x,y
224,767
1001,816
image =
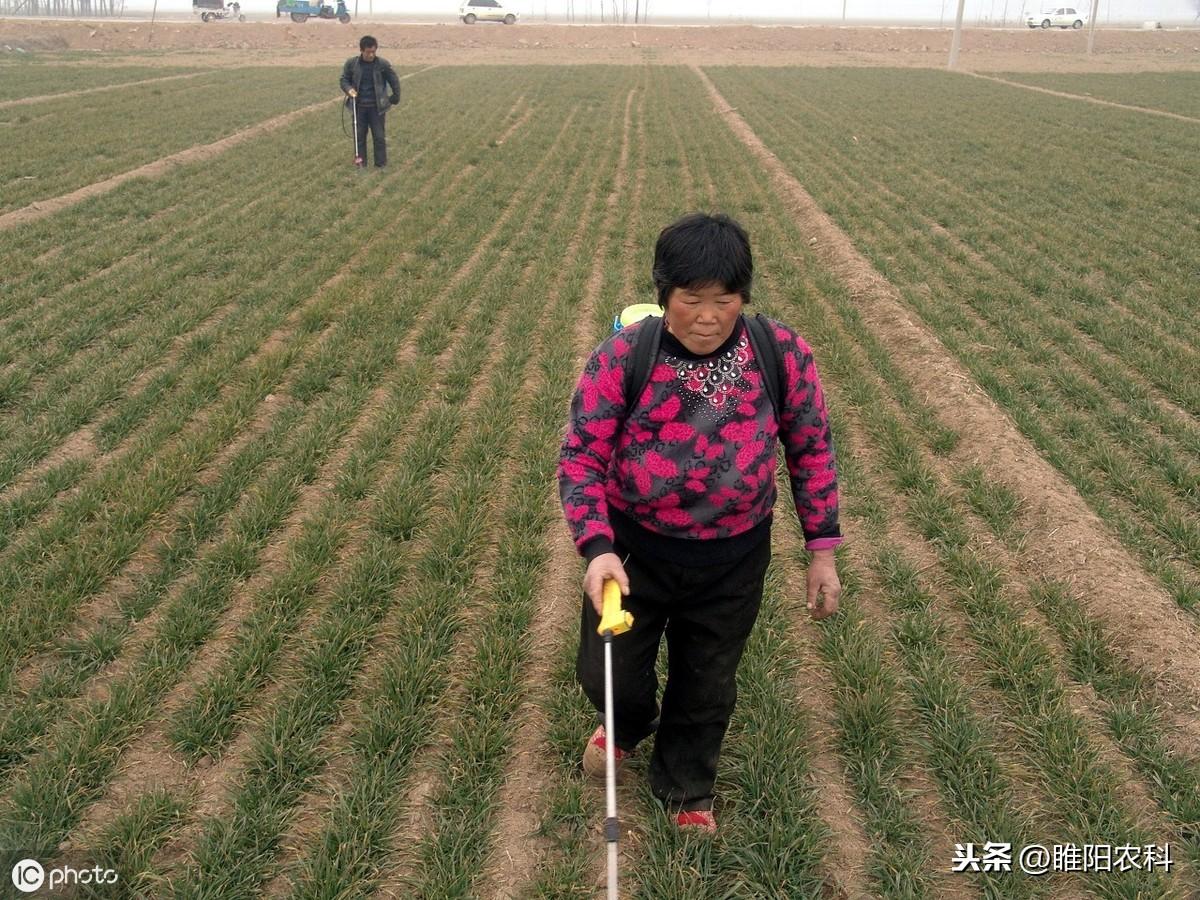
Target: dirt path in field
x,y
848,852
513,834
42,208
79,445
1076,547
518,121
1086,99
1009,557
629,821
96,90
187,42
513,859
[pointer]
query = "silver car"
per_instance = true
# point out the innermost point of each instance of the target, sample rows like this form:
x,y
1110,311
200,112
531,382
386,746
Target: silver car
x,y
1063,17
473,11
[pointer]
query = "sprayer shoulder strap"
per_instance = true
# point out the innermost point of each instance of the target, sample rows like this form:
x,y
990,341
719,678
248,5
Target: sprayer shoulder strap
x,y
762,342
645,351
770,362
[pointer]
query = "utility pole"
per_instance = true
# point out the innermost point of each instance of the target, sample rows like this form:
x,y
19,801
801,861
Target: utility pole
x,y
957,41
843,10
1092,25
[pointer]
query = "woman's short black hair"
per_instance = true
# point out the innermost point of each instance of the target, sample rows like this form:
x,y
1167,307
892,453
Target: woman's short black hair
x,y
367,41
700,250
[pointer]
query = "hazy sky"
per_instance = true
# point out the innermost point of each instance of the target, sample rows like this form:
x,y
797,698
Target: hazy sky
x,y
931,11
927,10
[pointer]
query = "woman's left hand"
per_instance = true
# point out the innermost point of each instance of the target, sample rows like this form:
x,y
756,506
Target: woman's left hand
x,y
824,587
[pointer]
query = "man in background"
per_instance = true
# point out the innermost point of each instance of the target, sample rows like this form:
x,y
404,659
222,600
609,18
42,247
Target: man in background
x,y
367,80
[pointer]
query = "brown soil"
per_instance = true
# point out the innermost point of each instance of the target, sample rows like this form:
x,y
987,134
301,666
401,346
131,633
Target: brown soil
x,y
982,49
81,444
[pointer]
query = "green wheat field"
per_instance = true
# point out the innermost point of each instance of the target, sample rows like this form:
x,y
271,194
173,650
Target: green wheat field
x,y
287,608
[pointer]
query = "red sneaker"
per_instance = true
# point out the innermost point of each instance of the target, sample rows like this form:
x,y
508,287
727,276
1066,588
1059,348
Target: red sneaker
x,y
594,764
701,820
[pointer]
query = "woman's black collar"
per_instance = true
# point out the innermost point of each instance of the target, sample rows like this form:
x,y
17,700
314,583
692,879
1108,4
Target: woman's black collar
x,y
672,346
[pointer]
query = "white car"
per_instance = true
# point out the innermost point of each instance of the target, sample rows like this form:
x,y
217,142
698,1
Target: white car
x,y
473,11
1063,17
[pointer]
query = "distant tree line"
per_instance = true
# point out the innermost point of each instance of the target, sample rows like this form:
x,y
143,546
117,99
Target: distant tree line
x,y
62,7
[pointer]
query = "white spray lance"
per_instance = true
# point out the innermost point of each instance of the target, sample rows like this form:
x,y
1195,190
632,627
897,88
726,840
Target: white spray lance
x,y
613,621
358,160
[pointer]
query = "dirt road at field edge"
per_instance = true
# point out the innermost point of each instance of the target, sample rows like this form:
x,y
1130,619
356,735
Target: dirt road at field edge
x,y
318,43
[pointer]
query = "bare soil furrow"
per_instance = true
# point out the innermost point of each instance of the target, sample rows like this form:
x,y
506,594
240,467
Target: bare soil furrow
x,y
512,862
850,848
1081,97
416,816
80,445
43,98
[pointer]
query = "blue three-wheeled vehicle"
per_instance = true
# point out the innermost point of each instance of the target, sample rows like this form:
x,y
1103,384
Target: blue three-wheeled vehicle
x,y
303,10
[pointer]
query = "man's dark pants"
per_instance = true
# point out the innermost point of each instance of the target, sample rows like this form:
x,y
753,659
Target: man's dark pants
x,y
370,117
707,614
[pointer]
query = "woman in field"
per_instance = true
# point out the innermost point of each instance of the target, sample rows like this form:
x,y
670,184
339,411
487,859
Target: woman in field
x,y
671,493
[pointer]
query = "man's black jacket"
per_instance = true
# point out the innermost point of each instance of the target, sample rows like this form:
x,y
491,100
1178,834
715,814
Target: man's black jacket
x,y
384,73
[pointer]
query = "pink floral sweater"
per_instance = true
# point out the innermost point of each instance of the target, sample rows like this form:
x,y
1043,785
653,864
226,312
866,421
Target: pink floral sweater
x,y
694,459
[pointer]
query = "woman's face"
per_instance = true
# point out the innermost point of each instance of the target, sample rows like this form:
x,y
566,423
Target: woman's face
x,y
702,318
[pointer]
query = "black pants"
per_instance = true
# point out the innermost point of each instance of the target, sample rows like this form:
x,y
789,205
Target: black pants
x,y
707,614
369,117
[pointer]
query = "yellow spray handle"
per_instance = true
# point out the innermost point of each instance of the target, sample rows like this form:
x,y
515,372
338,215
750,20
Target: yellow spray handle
x,y
613,618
